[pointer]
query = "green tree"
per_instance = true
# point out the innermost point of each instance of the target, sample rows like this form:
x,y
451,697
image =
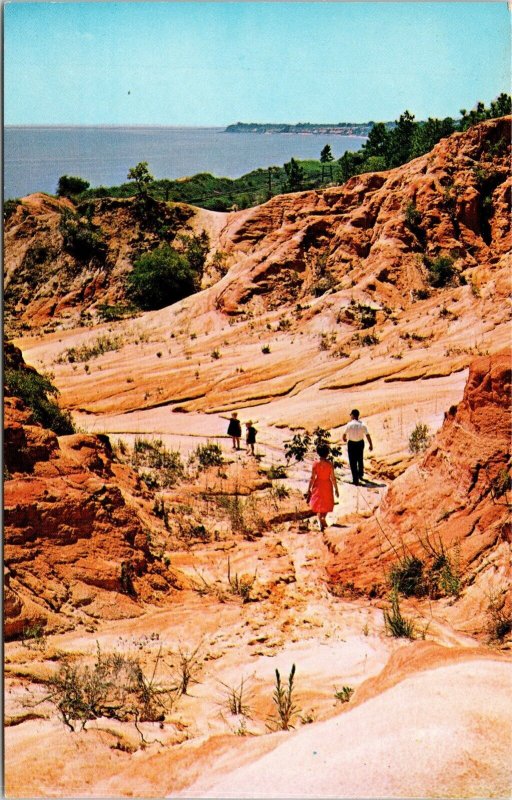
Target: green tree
x,y
160,278
427,134
326,157
69,185
377,142
502,106
350,164
400,140
295,175
142,177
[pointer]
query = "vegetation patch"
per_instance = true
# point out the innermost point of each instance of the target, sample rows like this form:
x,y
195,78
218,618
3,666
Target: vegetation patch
x,y
37,392
84,352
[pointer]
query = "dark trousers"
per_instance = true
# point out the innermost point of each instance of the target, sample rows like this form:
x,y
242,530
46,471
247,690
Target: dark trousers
x,y
355,459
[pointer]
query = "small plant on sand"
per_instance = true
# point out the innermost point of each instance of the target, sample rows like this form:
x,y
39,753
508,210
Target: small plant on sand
x,y
279,491
187,666
419,439
397,625
344,694
276,472
209,455
265,349
236,699
215,354
283,700
241,585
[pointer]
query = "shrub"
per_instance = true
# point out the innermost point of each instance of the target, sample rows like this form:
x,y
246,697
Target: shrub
x,y
112,313
298,447
276,472
499,623
209,455
114,687
235,699
397,625
166,465
265,349
419,439
69,185
407,576
160,278
81,238
10,207
34,389
412,216
441,271
215,354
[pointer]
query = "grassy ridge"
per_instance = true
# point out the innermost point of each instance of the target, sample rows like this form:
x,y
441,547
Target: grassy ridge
x,y
220,194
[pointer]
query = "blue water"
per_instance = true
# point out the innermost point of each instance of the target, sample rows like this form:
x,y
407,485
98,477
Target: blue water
x,y
36,157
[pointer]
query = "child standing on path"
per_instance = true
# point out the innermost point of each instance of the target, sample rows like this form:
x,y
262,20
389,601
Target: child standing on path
x,y
235,430
322,486
251,436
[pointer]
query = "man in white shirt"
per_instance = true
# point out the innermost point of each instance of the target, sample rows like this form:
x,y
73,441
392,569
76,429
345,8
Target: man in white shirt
x,y
354,436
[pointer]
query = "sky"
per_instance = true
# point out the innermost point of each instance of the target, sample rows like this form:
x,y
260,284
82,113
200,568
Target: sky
x,y
214,63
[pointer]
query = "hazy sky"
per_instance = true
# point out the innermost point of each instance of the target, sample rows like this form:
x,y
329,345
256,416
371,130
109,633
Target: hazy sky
x,y
202,63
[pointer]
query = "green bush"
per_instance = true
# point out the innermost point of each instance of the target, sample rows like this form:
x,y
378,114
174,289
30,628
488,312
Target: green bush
x,y
70,185
34,389
419,439
407,576
209,455
441,271
160,278
81,238
10,207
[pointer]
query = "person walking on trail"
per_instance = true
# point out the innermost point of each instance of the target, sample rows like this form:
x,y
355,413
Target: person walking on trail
x,y
235,430
323,486
250,439
354,435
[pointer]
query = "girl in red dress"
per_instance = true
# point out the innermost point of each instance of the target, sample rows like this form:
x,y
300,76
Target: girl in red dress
x,y
323,486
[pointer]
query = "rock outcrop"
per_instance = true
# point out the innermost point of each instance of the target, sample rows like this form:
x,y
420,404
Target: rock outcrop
x,y
75,530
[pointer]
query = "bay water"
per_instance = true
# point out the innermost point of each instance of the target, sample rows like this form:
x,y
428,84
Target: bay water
x,y
36,156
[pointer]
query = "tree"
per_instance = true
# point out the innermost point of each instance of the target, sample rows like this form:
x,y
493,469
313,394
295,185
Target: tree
x,y
160,278
377,142
350,164
326,157
400,140
428,134
69,185
142,177
295,175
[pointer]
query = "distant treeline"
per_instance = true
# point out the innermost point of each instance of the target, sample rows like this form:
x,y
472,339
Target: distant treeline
x,y
388,145
336,129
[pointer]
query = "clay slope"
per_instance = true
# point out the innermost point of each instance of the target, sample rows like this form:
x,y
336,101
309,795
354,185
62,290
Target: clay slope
x,y
63,261
76,544
362,233
454,500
